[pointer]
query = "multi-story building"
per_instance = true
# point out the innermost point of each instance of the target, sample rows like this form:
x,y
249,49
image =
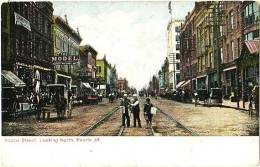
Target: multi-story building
x,y
164,76
88,64
231,45
173,52
188,59
113,79
226,48
248,62
101,75
122,85
66,43
27,41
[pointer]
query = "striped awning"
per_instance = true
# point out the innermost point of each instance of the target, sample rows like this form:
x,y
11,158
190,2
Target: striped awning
x,y
253,46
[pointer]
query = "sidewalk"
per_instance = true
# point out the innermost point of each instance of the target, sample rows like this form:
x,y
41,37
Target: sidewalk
x,y
227,104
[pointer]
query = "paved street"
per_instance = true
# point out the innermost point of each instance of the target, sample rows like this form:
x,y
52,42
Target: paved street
x,y
82,118
213,121
204,121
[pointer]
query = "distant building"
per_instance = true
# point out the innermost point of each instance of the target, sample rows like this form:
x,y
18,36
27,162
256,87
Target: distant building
x,y
122,85
173,52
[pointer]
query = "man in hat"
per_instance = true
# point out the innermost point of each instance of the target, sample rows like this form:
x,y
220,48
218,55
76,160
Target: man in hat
x,y
125,114
136,111
147,112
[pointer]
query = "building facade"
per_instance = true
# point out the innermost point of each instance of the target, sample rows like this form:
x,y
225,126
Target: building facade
x,y
66,43
27,42
88,67
173,52
122,85
226,36
188,59
101,75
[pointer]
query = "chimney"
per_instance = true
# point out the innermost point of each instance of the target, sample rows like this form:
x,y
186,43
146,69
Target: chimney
x,y
66,19
78,31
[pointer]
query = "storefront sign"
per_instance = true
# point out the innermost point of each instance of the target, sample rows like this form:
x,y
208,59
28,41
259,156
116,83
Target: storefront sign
x,y
61,60
20,20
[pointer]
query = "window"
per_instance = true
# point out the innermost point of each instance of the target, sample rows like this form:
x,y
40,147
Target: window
x,y
177,38
252,35
251,13
221,30
232,50
177,66
227,52
98,69
221,55
46,27
177,46
56,42
177,55
232,23
238,46
177,29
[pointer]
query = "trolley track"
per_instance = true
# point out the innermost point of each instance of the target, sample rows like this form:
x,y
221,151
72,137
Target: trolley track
x,y
171,126
97,130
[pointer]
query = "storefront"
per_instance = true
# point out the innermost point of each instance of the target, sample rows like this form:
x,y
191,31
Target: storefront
x,y
248,65
201,82
229,81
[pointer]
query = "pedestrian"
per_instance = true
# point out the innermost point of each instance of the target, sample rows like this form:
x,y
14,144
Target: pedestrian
x,y
37,103
125,114
147,112
136,111
57,103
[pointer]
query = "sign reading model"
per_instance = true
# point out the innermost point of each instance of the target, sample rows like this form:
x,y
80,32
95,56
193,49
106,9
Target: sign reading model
x,y
62,59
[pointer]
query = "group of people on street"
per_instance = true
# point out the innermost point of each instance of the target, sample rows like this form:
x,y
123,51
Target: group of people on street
x,y
134,108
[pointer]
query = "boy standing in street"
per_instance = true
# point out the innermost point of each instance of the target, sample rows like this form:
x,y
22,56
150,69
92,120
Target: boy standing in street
x,y
147,112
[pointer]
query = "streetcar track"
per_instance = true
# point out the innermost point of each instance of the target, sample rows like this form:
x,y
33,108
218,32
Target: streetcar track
x,y
178,123
98,123
121,131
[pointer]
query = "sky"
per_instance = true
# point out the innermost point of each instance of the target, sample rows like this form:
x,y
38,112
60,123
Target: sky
x,y
132,35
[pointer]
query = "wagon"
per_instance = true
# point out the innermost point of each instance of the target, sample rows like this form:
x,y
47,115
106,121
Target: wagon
x,y
61,89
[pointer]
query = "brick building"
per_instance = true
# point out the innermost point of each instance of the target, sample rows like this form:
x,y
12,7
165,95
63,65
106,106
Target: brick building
x,y
188,67
122,85
227,42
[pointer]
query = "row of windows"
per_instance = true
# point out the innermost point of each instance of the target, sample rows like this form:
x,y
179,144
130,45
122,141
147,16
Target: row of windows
x,y
29,45
38,20
65,46
251,13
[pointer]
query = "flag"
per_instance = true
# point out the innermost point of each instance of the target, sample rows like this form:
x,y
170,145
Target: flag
x,y
170,7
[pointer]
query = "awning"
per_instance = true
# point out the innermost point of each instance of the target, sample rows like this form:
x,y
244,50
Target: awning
x,y
253,46
201,76
179,84
185,84
11,77
65,76
230,68
87,85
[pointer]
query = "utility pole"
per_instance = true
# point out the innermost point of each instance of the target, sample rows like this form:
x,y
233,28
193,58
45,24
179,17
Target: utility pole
x,y
217,22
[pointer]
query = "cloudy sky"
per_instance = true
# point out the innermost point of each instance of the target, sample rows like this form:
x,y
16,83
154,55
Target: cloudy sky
x,y
133,35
